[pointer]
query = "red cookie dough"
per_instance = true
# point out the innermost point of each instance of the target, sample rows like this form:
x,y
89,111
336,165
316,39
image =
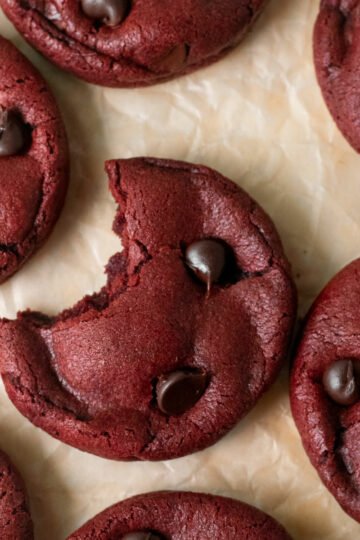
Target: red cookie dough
x,y
337,62
182,516
89,376
15,519
157,41
34,181
330,433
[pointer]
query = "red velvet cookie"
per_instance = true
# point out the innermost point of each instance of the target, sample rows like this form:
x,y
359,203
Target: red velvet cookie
x,y
171,515
33,160
325,386
127,43
337,62
15,519
190,330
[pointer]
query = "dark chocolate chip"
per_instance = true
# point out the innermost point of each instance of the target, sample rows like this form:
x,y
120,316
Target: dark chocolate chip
x,y
174,60
340,382
12,133
110,12
207,259
142,535
37,318
177,392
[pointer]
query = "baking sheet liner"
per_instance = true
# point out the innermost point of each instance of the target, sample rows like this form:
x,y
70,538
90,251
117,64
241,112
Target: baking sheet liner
x,y
257,117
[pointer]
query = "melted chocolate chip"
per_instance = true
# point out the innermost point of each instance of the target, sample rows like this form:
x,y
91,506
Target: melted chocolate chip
x,y
142,535
37,318
175,59
12,133
207,259
177,392
110,12
340,381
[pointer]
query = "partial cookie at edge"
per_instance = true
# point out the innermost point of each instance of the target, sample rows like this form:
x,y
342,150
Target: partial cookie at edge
x,y
34,180
337,63
155,42
15,519
189,516
329,431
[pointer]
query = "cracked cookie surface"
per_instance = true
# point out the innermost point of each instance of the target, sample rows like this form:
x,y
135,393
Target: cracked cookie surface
x,y
337,63
154,42
330,432
15,519
187,516
90,375
33,178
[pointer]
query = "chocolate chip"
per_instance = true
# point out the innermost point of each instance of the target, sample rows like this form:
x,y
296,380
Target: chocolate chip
x,y
174,60
142,535
110,12
177,392
12,133
207,259
340,382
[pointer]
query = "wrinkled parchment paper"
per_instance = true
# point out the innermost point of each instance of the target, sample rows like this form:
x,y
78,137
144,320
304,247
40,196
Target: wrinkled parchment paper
x,y
257,117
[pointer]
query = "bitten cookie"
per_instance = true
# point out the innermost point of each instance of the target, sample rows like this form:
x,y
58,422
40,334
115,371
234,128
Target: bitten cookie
x,y
128,43
337,62
15,519
33,160
190,330
325,387
171,515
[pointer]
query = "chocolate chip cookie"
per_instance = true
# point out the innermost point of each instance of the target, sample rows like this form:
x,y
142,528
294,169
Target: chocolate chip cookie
x,y
337,62
33,160
15,519
325,387
168,515
127,43
190,330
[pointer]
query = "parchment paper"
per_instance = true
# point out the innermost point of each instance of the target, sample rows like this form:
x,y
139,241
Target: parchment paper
x,y
257,117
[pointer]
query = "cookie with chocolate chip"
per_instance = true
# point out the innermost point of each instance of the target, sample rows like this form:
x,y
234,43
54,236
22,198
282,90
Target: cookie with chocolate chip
x,y
33,160
337,62
129,43
325,387
190,330
15,519
166,515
